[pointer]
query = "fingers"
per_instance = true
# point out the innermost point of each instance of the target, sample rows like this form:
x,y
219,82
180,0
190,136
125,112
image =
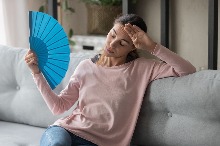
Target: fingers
x,y
30,54
131,29
128,29
32,62
137,29
30,58
130,33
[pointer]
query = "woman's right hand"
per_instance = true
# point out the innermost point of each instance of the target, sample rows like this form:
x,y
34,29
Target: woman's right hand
x,y
140,39
31,60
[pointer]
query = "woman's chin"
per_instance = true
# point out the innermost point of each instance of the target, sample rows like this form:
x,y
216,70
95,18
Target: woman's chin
x,y
106,54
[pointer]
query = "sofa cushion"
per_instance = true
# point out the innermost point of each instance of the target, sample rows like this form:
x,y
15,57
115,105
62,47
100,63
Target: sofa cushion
x,y
13,134
20,100
181,111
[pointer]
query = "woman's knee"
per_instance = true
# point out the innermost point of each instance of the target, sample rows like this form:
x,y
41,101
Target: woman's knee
x,y
55,136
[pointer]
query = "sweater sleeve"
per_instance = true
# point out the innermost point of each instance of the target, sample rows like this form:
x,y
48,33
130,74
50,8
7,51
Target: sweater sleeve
x,y
58,104
171,64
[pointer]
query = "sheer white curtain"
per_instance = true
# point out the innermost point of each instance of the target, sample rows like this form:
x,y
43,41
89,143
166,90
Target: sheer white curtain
x,y
14,23
2,26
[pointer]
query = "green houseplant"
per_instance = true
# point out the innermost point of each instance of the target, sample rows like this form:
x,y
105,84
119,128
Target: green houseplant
x,y
101,14
104,2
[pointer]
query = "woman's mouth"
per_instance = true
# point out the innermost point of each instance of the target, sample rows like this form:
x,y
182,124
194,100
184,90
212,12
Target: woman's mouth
x,y
108,50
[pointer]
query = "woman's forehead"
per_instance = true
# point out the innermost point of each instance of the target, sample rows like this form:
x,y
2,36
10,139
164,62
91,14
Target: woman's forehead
x,y
119,30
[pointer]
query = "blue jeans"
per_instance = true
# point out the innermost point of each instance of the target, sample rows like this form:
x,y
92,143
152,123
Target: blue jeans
x,y
58,136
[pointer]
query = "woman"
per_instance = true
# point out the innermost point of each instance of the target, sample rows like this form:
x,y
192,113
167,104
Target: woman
x,y
109,87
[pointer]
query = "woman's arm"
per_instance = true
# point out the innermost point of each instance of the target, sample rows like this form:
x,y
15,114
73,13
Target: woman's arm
x,y
58,103
172,65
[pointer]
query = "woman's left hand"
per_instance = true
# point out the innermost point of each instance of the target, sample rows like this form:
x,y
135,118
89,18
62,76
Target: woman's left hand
x,y
140,39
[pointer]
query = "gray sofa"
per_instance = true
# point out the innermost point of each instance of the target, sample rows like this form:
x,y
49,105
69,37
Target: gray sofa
x,y
182,111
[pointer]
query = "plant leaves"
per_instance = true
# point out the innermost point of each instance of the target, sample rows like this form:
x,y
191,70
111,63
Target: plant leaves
x,y
70,33
71,42
71,9
41,9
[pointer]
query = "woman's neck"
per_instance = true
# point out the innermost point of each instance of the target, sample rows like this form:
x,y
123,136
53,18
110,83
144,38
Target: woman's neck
x,y
111,61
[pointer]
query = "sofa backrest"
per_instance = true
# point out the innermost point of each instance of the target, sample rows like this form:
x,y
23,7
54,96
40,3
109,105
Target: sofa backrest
x,y
20,100
183,111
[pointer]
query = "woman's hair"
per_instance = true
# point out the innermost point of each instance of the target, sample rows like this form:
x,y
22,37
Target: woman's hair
x,y
133,19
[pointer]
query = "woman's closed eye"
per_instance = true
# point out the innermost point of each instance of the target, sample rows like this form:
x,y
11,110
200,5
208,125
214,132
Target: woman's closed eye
x,y
122,43
113,36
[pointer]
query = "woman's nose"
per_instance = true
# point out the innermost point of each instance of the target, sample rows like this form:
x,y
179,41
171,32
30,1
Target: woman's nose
x,y
113,44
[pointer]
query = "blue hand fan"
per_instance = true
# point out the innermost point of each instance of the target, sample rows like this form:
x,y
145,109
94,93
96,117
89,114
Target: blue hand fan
x,y
50,43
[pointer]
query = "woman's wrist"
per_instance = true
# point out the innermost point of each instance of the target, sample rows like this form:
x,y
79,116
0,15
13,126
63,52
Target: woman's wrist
x,y
151,47
36,72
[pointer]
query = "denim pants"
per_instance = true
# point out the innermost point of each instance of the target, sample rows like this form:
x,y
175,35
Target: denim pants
x,y
58,136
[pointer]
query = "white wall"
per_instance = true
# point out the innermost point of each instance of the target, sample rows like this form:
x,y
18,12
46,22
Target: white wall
x,y
189,30
188,27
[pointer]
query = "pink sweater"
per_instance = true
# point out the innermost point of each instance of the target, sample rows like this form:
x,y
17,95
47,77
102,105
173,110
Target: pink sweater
x,y
109,97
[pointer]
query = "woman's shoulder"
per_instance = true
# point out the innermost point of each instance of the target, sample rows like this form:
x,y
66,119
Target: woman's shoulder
x,y
82,66
88,61
84,62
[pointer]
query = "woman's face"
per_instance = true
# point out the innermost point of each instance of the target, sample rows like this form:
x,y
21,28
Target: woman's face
x,y
118,43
